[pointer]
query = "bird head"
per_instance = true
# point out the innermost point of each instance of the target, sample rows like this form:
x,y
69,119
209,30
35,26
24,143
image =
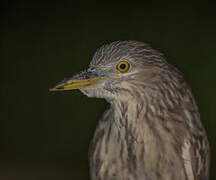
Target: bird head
x,y
116,70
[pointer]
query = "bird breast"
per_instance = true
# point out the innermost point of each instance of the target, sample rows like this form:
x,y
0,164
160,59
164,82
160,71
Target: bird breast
x,y
129,147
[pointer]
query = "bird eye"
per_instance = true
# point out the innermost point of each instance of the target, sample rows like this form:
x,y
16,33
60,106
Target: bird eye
x,y
122,66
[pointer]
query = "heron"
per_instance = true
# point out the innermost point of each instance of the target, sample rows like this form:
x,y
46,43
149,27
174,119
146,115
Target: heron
x,y
152,128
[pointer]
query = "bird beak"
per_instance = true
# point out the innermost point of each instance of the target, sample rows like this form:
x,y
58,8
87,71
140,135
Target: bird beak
x,y
84,79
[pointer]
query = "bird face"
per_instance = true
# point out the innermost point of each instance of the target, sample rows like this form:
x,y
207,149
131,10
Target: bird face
x,y
115,70
97,81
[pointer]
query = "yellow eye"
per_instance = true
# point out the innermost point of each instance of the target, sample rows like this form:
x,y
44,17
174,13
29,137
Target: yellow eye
x,y
122,66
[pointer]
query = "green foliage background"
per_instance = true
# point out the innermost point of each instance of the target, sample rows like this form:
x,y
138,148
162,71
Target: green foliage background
x,y
45,135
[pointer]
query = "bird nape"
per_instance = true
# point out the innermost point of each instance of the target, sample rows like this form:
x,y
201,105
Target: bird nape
x,y
152,129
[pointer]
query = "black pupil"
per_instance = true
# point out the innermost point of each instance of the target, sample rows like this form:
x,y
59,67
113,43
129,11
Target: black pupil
x,y
122,66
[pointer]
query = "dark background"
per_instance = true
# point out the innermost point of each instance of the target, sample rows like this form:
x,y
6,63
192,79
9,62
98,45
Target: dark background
x,y
45,135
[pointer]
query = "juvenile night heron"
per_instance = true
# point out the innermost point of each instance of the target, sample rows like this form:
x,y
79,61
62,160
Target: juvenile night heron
x,y
152,129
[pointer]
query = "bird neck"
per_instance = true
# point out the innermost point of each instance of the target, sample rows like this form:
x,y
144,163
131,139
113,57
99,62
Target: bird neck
x,y
138,114
128,109
130,116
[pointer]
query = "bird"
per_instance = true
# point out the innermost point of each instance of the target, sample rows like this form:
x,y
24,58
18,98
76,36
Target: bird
x,y
151,129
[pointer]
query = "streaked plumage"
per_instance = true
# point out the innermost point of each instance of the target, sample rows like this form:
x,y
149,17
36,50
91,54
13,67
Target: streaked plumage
x,y
152,128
